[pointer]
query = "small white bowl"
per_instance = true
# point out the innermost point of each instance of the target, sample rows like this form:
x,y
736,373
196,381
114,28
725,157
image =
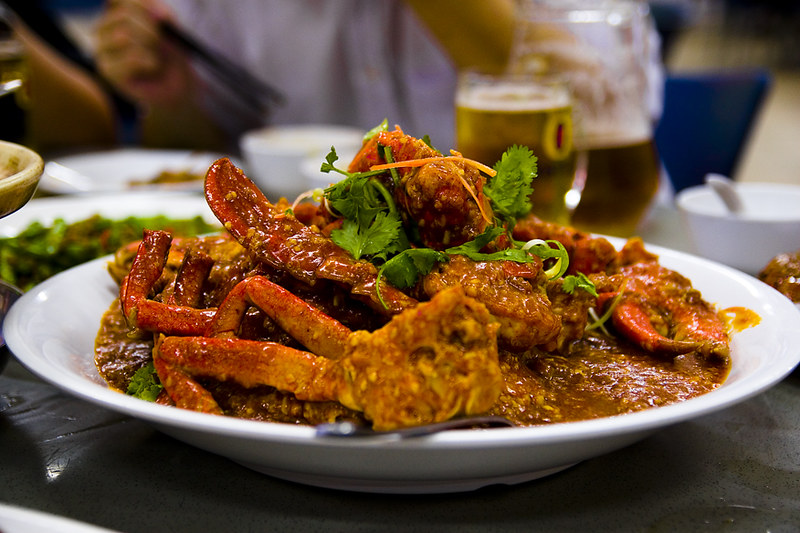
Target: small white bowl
x,y
768,226
274,156
20,171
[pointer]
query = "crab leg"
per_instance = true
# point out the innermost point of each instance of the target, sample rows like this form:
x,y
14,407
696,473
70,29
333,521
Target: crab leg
x,y
193,272
428,364
314,329
183,390
285,243
150,315
252,363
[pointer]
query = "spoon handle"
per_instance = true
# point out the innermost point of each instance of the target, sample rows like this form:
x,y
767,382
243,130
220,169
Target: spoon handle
x,y
726,190
350,429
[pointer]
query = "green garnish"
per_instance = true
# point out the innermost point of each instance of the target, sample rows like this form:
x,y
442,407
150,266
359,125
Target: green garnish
x,y
403,270
145,384
376,239
383,126
579,281
599,322
510,189
545,251
472,249
372,227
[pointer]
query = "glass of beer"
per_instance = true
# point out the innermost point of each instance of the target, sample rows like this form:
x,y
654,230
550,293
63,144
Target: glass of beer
x,y
494,112
621,177
601,48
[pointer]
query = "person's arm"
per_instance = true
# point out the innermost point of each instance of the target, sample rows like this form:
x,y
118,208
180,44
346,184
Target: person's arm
x,y
68,108
142,65
476,34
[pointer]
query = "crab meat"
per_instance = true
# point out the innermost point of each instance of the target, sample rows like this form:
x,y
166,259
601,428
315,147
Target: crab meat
x,y
428,364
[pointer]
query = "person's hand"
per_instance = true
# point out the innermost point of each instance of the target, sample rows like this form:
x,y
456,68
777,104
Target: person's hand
x,y
136,59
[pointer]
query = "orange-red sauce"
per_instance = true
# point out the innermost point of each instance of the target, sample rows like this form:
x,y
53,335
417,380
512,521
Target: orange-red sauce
x,y
599,378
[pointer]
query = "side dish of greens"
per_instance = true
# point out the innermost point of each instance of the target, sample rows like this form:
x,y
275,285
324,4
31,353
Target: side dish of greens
x,y
41,251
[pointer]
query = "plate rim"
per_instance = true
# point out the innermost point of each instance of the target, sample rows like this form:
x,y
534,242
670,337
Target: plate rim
x,y
113,155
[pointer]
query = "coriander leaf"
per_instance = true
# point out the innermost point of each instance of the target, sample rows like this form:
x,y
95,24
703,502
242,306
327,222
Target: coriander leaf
x,y
330,159
478,243
579,282
510,254
521,253
145,384
373,239
348,238
472,249
404,269
381,233
348,198
510,189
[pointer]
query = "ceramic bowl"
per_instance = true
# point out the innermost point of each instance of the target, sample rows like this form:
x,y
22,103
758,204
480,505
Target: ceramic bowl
x,y
274,156
769,224
20,171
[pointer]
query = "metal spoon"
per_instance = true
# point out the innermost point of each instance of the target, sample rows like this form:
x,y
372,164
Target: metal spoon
x,y
351,429
726,190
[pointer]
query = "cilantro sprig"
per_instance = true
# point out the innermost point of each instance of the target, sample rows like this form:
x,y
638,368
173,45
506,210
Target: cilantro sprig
x,y
372,227
510,189
579,281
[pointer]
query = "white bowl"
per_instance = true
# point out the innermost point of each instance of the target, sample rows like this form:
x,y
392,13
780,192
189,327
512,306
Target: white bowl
x,y
274,156
768,226
20,171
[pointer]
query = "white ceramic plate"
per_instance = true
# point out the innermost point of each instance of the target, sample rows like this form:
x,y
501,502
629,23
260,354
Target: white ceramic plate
x,y
116,170
58,346
114,206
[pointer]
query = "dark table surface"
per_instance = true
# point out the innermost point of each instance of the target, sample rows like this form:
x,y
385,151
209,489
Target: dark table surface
x,y
737,470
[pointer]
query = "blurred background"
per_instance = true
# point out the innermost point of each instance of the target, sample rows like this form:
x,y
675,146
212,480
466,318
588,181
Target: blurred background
x,y
697,36
739,34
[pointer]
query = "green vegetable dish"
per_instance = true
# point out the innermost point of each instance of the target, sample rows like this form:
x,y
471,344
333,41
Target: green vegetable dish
x,y
41,251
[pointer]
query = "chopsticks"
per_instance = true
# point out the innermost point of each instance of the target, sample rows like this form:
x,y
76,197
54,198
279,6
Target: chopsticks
x,y
250,89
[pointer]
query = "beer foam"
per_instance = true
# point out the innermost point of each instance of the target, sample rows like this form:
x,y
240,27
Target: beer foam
x,y
511,97
604,137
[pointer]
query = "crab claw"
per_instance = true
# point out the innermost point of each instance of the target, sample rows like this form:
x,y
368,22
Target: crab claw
x,y
661,312
280,240
632,322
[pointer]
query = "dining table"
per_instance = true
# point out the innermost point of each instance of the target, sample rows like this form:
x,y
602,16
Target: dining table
x,y
734,470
